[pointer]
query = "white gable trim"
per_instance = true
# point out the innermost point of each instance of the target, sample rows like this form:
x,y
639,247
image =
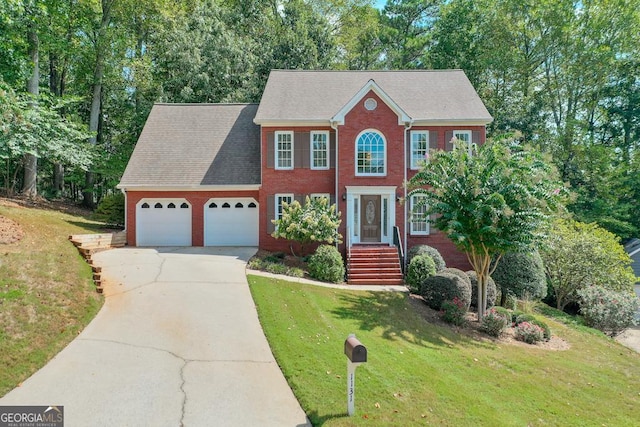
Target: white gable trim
x,y
371,86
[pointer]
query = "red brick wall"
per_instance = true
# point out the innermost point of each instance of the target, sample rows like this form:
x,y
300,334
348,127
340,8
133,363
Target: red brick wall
x,y
297,181
197,199
384,120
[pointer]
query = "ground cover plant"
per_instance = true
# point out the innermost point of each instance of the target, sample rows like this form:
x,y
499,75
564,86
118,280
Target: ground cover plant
x,y
425,373
46,292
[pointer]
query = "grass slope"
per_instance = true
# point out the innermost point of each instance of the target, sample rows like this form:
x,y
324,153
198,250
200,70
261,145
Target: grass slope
x,y
422,374
46,292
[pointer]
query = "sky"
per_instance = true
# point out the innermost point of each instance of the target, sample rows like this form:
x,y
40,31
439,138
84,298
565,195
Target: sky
x,y
379,3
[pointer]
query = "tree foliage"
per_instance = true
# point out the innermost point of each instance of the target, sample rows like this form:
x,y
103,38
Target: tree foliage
x,y
521,274
315,221
578,255
492,200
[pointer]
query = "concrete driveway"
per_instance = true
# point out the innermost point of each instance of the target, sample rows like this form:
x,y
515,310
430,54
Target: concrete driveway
x,y
177,343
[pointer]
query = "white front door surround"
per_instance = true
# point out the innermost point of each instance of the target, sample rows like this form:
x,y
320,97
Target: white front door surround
x,y
387,212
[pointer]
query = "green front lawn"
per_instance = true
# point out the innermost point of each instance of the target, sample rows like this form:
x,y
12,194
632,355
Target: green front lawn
x,y
419,373
46,290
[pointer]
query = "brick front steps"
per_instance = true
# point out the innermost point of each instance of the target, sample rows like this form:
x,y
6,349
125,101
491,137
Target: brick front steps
x,y
374,265
89,244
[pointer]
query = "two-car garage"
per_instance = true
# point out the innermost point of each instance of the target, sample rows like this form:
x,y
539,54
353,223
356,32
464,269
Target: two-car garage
x,y
169,222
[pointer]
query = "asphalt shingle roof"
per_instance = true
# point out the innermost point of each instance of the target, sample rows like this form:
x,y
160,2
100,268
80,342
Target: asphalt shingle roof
x,y
188,145
445,95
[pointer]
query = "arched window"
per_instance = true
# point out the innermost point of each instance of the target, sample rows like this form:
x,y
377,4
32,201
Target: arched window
x,y
252,205
226,205
371,154
213,205
158,206
145,206
239,205
171,206
184,206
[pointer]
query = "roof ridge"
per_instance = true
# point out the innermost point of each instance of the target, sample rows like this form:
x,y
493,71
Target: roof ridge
x,y
370,71
205,104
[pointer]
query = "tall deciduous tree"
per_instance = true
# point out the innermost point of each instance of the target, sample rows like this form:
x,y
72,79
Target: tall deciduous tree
x,y
489,200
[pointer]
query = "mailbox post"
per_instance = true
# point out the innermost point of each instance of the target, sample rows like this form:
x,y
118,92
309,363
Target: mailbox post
x,y
356,354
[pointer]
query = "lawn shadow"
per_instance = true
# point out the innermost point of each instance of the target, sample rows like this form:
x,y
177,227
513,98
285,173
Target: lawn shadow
x,y
400,319
95,226
319,420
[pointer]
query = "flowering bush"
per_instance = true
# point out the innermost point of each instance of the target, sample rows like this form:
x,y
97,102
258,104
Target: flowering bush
x,y
316,221
420,267
609,311
494,323
529,333
454,311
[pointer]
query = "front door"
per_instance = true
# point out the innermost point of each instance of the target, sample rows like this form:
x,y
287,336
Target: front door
x,y
370,219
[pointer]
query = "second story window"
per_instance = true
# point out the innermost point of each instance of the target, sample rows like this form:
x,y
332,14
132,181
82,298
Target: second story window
x,y
371,154
320,150
465,136
284,150
419,148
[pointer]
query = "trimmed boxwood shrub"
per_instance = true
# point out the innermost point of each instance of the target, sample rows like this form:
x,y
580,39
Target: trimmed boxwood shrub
x,y
491,290
427,250
524,317
522,275
457,272
326,264
445,287
420,267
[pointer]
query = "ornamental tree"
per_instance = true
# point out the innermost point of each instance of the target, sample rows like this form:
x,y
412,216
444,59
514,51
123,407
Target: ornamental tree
x,y
579,255
315,221
488,200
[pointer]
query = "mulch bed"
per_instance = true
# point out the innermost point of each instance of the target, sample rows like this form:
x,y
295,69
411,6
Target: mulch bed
x,y
10,231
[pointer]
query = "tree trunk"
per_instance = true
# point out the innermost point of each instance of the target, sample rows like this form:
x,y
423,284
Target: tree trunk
x,y
58,179
30,161
94,115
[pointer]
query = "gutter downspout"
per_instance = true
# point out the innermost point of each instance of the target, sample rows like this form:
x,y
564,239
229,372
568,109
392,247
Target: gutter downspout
x,y
126,213
334,126
407,127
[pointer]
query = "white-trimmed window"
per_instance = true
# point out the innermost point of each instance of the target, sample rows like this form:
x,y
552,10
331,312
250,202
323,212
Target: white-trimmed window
x,y
419,218
284,150
419,147
463,135
371,154
280,198
320,149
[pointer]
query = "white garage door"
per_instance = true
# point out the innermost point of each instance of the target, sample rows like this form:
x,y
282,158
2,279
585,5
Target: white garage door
x,y
231,222
163,222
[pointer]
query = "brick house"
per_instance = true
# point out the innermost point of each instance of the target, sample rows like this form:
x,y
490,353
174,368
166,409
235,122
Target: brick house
x,y
217,174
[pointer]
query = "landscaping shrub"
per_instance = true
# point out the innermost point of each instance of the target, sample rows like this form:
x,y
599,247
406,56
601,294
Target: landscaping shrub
x,y
454,312
522,275
524,317
427,250
546,330
326,264
276,268
110,210
256,263
529,333
445,287
506,313
275,257
510,302
491,290
420,267
609,311
494,323
457,272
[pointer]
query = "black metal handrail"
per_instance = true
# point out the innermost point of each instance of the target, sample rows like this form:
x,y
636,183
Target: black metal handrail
x,y
397,242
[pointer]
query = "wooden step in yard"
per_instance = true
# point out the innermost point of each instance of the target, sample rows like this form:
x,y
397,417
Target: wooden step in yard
x,y
89,244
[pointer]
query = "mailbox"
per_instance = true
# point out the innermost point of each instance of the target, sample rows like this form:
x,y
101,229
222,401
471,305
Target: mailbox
x,y
355,351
